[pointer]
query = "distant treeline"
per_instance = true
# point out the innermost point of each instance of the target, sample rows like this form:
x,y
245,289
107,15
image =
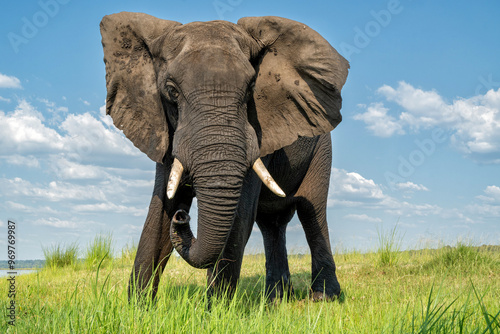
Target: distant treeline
x,y
23,264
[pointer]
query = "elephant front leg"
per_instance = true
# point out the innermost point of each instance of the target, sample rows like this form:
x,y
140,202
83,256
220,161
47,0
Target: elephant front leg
x,y
153,251
155,246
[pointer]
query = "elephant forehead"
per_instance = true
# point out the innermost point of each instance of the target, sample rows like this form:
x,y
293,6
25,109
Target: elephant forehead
x,y
211,64
208,32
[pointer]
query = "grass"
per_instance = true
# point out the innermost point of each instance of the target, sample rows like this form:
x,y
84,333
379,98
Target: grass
x,y
128,252
99,251
58,256
389,246
427,291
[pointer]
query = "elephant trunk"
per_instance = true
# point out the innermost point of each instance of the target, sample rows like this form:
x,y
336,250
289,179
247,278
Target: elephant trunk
x,y
218,169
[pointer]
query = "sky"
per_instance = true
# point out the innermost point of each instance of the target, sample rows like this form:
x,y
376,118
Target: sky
x,y
418,148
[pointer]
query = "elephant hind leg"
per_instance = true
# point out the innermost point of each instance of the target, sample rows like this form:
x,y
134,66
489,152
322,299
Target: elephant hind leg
x,y
273,228
312,198
324,280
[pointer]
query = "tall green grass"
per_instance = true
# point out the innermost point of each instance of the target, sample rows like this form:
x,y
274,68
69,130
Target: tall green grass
x,y
58,256
99,251
389,246
129,252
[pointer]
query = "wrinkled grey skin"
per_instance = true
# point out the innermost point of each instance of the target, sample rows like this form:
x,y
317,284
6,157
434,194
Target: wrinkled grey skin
x,y
217,96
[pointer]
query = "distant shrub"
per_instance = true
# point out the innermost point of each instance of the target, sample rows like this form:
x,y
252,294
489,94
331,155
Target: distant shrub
x,y
58,256
460,256
99,250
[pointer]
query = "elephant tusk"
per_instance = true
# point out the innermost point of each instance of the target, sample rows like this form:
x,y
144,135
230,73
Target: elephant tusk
x,y
266,178
174,178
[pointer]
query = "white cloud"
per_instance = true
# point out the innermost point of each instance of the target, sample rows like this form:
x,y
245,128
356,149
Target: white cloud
x,y
23,131
352,189
110,207
378,122
474,122
362,217
87,135
3,99
82,137
17,206
20,160
56,222
410,186
87,103
28,209
132,229
423,108
493,192
69,170
55,191
489,207
9,81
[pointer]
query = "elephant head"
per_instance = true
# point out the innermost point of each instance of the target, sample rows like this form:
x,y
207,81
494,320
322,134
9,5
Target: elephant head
x,y
214,97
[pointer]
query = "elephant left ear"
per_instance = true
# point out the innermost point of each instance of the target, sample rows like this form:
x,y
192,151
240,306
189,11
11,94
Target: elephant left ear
x,y
297,89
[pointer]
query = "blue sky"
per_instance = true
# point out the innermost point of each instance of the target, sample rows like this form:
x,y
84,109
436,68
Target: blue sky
x,y
419,144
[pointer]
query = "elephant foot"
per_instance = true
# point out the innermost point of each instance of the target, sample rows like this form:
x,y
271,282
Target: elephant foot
x,y
319,296
276,292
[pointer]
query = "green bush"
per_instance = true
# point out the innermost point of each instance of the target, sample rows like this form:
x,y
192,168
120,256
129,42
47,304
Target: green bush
x,y
58,256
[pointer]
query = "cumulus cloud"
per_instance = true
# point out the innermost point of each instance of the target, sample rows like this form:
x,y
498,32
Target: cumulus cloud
x,y
55,191
352,190
81,138
20,160
474,122
363,218
110,207
9,81
56,222
23,132
70,170
410,187
489,205
379,122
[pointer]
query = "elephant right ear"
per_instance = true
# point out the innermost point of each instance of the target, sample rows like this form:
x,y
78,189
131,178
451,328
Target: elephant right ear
x,y
133,99
297,89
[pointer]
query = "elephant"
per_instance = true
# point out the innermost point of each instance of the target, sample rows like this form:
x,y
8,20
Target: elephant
x,y
223,108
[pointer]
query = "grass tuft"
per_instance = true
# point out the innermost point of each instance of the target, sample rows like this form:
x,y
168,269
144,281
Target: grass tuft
x,y
58,256
389,247
99,251
129,252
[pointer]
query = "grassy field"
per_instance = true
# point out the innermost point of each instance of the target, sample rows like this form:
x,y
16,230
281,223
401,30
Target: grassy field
x,y
448,290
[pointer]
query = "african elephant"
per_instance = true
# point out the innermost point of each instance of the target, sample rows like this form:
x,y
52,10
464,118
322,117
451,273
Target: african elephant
x,y
219,107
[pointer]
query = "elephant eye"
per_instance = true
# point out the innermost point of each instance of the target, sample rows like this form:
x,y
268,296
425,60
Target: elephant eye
x,y
172,92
